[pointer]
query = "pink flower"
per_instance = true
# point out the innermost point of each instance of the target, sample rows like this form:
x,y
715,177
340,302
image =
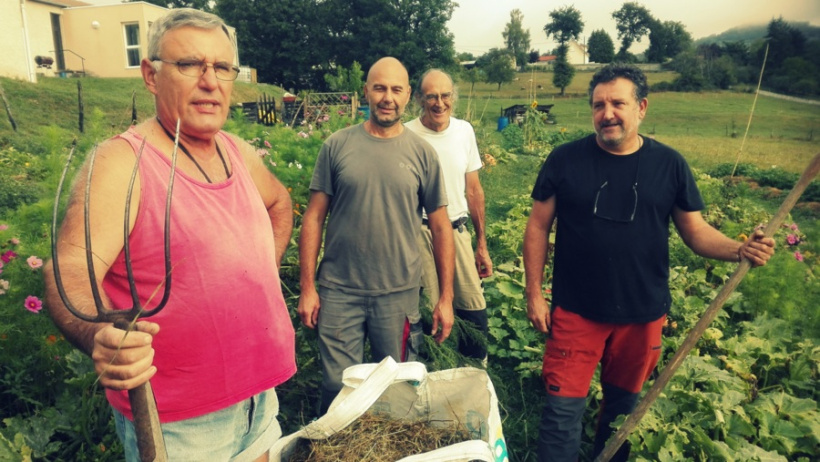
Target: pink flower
x,y
792,239
793,226
303,134
344,97
267,144
798,256
34,262
33,304
4,286
8,256
15,241
262,152
4,227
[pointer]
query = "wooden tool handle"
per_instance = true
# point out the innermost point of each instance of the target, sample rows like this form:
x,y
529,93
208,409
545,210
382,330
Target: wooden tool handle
x,y
150,443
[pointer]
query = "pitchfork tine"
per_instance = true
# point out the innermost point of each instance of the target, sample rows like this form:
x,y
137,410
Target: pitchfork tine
x,y
54,256
89,255
168,217
127,247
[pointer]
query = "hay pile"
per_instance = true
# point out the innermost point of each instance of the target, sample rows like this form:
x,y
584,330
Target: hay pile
x,y
377,439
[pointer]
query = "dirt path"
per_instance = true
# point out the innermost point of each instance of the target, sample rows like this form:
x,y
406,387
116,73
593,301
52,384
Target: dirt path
x,y
790,98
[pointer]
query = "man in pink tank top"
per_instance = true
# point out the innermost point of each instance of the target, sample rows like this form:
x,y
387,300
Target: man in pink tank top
x,y
224,339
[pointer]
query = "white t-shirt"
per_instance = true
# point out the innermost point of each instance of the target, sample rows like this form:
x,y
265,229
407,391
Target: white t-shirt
x,y
458,154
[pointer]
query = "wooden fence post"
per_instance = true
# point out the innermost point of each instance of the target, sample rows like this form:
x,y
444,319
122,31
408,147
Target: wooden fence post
x,y
354,105
8,109
134,107
80,102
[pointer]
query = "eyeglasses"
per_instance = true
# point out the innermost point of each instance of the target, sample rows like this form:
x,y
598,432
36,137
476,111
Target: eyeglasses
x,y
192,68
445,97
613,207
609,200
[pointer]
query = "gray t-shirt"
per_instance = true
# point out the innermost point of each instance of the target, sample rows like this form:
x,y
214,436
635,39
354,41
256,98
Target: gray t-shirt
x,y
378,188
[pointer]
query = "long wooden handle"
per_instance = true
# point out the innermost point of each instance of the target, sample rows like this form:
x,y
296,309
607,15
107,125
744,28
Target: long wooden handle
x,y
150,443
709,315
146,423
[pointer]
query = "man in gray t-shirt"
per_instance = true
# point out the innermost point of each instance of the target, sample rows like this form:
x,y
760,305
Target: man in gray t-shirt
x,y
371,182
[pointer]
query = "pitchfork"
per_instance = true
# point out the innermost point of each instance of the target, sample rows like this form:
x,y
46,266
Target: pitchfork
x,y
143,406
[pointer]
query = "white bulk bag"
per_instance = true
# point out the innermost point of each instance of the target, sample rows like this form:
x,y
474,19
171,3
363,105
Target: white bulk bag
x,y
406,391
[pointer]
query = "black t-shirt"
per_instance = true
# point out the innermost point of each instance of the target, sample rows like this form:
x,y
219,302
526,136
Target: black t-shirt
x,y
611,260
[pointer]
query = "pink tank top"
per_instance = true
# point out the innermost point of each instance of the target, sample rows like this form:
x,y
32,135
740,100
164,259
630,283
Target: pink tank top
x,y
225,334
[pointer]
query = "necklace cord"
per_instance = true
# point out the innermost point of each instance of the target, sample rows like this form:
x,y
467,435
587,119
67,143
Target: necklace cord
x,y
187,153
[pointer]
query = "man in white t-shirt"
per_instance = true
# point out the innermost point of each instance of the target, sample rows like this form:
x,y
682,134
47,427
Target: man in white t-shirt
x,y
455,143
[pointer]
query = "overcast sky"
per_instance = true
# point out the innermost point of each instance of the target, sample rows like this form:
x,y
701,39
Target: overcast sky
x,y
477,24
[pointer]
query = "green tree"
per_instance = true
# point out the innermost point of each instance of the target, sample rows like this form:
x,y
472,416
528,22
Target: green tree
x,y
784,42
498,66
722,72
472,75
533,56
294,43
348,80
738,51
280,38
563,71
465,56
516,39
632,21
600,46
566,25
414,31
666,40
690,67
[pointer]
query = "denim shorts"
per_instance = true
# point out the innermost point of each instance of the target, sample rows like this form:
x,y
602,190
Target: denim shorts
x,y
241,432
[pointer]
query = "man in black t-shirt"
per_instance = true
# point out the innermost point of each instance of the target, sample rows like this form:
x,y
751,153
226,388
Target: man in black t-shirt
x,y
613,194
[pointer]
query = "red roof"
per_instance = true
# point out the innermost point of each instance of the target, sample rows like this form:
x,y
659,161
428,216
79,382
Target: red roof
x,y
545,58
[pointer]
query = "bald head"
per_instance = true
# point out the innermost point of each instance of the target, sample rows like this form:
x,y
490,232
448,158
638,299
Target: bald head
x,y
390,65
387,92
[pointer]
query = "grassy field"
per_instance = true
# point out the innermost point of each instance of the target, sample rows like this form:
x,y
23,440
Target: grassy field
x,y
707,128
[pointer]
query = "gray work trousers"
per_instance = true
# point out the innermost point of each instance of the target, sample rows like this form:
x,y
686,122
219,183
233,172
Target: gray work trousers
x,y
391,322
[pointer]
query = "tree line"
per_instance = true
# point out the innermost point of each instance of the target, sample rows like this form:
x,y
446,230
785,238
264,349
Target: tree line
x,y
792,61
325,44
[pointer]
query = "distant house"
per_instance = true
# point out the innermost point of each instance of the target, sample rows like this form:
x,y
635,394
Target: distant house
x,y
576,55
64,37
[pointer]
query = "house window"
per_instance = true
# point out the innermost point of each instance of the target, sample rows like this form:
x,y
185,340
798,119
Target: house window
x,y
132,44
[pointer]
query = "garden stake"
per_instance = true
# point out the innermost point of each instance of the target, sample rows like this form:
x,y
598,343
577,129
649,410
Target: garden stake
x,y
709,315
143,405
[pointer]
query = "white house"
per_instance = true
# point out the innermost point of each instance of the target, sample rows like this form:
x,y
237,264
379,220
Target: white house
x,y
61,37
